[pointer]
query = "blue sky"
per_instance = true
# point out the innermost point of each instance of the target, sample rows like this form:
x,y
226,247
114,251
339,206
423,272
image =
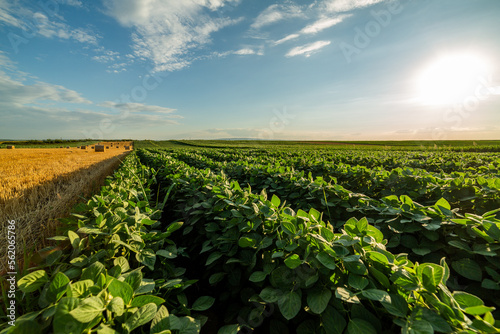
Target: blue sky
x,y
208,69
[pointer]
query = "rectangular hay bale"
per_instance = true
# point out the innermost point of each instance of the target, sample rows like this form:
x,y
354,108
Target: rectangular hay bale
x,y
99,148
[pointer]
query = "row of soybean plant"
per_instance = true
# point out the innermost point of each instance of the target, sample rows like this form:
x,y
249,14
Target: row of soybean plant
x,y
474,194
275,269
480,163
111,270
470,242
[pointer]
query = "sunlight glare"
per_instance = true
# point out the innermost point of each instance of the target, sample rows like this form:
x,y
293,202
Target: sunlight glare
x,y
451,78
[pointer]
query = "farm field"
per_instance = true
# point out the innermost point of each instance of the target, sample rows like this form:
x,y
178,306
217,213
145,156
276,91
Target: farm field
x,y
40,185
191,236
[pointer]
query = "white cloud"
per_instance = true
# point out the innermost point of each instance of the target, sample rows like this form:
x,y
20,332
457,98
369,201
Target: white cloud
x,y
50,29
307,49
40,24
140,108
287,38
167,31
315,27
105,56
247,51
275,13
75,3
6,15
347,5
15,92
323,24
244,51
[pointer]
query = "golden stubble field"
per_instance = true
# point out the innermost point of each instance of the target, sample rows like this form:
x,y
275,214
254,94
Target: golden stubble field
x,y
37,186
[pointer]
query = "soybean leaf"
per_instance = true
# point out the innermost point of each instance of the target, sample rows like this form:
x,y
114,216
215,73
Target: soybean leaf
x,y
57,287
357,282
229,329
213,257
246,242
93,271
122,262
88,310
468,268
33,281
203,303
318,300
293,261
466,300
325,259
270,295
121,289
333,322
116,305
346,295
140,301
147,257
396,306
377,295
143,315
359,326
289,305
160,322
257,276
63,322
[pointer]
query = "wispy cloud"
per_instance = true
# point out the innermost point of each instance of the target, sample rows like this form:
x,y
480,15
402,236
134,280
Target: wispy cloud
x,y
286,39
339,6
307,49
245,51
249,51
14,92
276,13
40,24
140,108
75,3
314,28
167,31
324,23
51,29
106,56
7,16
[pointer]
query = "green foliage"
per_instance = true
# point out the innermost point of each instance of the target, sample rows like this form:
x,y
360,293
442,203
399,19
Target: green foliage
x,y
277,240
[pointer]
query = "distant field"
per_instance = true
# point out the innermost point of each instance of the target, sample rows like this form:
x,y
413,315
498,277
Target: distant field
x,y
412,143
453,145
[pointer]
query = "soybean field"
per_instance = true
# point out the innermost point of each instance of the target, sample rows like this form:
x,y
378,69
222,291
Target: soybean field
x,y
190,237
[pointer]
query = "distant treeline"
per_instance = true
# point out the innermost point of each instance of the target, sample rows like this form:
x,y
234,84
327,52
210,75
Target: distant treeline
x,y
52,141
45,141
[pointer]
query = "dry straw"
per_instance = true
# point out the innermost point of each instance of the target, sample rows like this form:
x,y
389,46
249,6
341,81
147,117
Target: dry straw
x,y
37,186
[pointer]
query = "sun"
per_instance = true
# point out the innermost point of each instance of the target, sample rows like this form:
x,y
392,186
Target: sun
x,y
451,78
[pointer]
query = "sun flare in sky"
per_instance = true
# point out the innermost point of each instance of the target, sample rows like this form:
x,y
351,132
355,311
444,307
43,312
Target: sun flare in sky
x,y
275,69
451,78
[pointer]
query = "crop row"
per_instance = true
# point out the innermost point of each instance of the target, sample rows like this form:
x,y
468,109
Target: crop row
x,y
111,271
474,194
428,233
321,280
478,163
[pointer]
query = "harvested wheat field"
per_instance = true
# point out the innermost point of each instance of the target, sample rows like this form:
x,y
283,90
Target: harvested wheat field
x,y
37,186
